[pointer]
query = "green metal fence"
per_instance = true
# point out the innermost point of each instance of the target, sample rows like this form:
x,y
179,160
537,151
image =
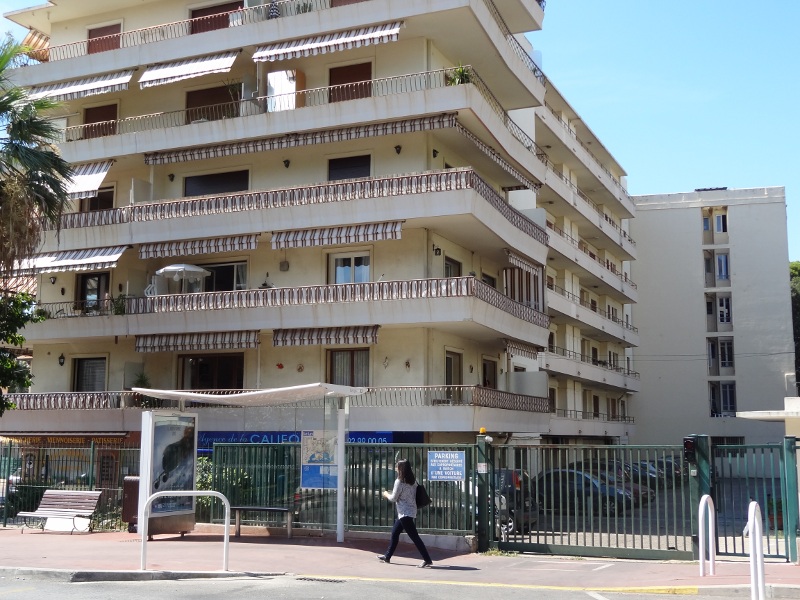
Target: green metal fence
x,y
28,471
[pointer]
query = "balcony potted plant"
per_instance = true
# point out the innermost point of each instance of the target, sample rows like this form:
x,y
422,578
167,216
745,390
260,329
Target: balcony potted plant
x,y
458,75
775,512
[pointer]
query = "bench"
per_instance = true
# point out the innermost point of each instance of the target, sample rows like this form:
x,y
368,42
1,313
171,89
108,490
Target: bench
x,y
65,505
238,510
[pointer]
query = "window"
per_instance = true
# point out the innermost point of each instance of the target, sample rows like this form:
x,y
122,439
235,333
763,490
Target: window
x,y
452,268
349,267
349,167
712,353
211,371
92,288
726,353
725,310
226,277
728,398
105,38
90,375
708,264
706,224
213,103
350,82
709,307
453,374
213,17
216,183
99,121
722,223
489,374
488,280
713,400
104,200
349,367
722,266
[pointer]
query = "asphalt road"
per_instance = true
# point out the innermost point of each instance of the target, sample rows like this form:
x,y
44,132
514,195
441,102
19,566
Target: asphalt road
x,y
291,588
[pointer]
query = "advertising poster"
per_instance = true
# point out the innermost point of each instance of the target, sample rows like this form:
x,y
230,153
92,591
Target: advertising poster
x,y
173,467
318,468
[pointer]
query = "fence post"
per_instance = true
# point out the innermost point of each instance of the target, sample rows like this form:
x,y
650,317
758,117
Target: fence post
x,y
700,485
482,501
790,502
91,465
6,474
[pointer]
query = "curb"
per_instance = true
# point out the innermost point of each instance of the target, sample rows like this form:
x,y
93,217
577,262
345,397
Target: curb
x,y
71,576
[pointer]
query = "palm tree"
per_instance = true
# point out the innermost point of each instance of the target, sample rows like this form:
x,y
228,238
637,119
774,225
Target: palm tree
x,y
33,176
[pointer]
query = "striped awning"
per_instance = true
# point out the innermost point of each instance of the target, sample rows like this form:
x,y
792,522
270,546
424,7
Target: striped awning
x,y
81,88
89,259
332,42
19,285
208,340
515,348
37,44
87,179
332,236
186,69
234,243
311,138
523,263
367,334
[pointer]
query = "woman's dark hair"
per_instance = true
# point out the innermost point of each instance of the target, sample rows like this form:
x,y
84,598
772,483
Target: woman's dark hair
x,y
405,472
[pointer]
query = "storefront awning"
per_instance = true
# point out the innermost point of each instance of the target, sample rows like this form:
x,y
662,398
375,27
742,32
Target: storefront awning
x,y
81,88
209,340
332,42
234,243
87,179
332,236
323,336
520,349
186,69
91,259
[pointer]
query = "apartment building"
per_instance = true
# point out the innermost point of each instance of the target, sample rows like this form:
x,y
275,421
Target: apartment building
x,y
374,194
715,266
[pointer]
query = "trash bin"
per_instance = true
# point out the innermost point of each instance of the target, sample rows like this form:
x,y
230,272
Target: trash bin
x,y
130,501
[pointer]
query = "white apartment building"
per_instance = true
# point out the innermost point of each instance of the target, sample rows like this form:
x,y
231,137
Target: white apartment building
x,y
389,195
714,289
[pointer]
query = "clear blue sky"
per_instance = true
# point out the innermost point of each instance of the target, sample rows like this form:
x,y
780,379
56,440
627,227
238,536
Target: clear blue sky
x,y
685,94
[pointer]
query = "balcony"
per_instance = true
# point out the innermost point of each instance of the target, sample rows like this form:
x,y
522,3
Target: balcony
x,y
378,397
593,323
597,373
458,303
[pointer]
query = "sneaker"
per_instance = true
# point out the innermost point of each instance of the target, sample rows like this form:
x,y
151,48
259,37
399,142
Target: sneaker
x,y
424,564
384,558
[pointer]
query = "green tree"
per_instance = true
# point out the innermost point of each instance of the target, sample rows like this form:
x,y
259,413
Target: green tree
x,y
33,192
794,274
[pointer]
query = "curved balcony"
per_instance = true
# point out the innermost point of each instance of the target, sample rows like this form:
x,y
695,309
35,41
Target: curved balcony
x,y
597,373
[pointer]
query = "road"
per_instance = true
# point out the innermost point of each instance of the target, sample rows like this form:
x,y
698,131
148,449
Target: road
x,y
292,588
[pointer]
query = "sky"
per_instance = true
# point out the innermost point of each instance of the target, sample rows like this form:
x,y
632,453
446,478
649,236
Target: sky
x,y
685,94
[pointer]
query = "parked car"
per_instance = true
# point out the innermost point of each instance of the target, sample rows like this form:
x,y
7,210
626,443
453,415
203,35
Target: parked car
x,y
515,502
571,491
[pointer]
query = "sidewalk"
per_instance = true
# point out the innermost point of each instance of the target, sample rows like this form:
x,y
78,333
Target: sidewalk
x,y
117,556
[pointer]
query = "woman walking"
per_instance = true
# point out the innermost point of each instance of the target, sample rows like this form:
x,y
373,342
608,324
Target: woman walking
x,y
404,495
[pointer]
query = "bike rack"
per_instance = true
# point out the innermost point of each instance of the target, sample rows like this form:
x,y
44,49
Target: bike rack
x,y
756,528
145,521
707,508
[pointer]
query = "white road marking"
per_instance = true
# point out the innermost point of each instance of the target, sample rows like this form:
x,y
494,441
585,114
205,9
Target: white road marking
x,y
596,596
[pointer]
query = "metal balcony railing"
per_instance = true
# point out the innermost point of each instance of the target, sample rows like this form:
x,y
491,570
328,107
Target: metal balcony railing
x,y
603,364
446,287
341,191
377,397
582,247
585,415
576,300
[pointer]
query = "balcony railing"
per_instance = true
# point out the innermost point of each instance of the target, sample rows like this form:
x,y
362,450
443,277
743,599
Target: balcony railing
x,y
585,415
603,364
341,191
608,267
178,29
576,299
377,397
447,287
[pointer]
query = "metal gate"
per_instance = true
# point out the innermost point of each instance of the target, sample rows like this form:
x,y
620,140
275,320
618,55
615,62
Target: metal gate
x,y
621,501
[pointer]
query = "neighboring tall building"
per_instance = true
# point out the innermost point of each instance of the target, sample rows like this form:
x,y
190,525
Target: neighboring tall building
x,y
367,193
716,313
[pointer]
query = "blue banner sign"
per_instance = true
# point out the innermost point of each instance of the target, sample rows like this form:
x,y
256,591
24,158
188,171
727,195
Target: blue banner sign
x,y
446,465
207,439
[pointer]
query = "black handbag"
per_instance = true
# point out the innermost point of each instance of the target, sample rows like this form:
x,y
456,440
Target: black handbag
x,y
422,497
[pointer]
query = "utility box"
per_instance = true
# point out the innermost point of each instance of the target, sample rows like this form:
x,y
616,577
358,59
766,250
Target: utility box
x,y
130,501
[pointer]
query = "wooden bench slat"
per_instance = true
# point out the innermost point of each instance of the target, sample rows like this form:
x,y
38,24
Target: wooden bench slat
x,y
65,504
